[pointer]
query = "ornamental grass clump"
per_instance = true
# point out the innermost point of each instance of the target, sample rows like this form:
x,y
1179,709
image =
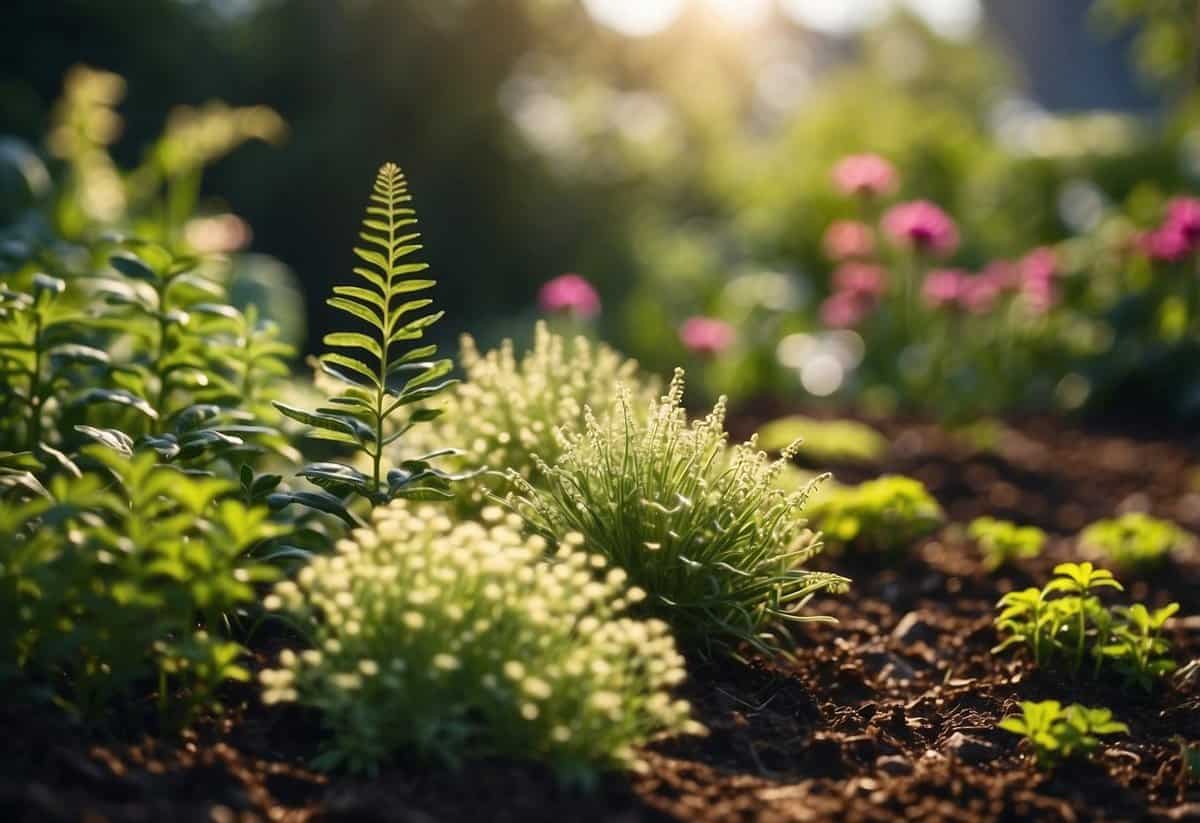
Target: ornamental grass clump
x,y
446,640
507,408
705,530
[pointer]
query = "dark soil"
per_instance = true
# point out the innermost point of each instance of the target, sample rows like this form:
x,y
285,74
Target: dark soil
x,y
890,714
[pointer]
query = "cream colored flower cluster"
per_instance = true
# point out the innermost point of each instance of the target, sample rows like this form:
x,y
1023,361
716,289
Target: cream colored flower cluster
x,y
465,638
506,410
705,529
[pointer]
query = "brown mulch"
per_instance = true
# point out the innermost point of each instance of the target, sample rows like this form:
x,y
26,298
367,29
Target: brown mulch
x,y
890,714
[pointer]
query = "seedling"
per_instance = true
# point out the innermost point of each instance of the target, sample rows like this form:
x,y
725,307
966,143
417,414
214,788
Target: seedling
x,y
888,514
1057,734
1064,621
1003,543
1135,541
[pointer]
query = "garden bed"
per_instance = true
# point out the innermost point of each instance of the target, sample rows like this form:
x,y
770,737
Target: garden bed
x,y
890,714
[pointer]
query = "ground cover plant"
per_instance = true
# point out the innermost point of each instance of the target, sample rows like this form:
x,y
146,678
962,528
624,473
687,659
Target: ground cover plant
x,y
1056,732
442,640
1135,541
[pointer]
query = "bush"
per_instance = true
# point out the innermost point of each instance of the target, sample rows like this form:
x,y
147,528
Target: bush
x,y
507,410
1003,543
1134,541
453,640
103,585
706,532
1063,622
887,514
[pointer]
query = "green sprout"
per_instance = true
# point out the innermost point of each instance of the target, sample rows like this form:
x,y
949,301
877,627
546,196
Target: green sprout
x,y
886,515
1003,542
1135,541
1056,733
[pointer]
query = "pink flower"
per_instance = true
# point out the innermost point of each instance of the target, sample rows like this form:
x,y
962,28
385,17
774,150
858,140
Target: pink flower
x,y
1004,275
1039,265
944,288
706,336
844,310
1166,244
980,293
846,239
1183,214
922,226
866,175
860,279
569,294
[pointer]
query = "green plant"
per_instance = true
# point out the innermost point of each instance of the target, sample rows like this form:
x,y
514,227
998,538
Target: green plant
x,y
507,410
1136,645
381,381
887,514
824,441
451,640
1064,621
1056,733
110,585
1135,541
1003,542
707,533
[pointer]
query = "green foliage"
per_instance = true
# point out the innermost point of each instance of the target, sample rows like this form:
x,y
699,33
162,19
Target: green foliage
x,y
823,441
1135,541
105,584
382,376
507,410
887,514
1003,542
1056,733
462,639
1064,621
716,544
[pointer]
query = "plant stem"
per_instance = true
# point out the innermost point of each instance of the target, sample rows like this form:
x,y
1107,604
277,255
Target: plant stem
x,y
35,385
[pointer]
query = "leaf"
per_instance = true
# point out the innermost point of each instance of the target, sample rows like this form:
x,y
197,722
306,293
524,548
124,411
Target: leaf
x,y
78,353
330,422
357,309
319,501
120,397
336,477
354,340
131,266
114,439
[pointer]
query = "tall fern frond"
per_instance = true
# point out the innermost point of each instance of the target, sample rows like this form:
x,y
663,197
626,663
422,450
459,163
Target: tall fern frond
x,y
384,375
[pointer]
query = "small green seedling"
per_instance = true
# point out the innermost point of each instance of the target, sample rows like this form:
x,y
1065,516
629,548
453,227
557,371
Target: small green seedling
x,y
1135,541
1138,648
1057,734
885,515
1064,621
1003,542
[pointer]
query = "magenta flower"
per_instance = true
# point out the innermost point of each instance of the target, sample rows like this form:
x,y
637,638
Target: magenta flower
x,y
569,294
706,336
922,226
1004,275
848,239
1038,266
980,293
860,279
1166,244
944,288
865,175
1183,214
844,310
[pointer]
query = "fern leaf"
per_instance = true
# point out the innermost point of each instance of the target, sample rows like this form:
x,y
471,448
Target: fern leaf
x,y
372,360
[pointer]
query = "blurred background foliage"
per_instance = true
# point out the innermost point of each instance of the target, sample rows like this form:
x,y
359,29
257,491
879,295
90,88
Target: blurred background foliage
x,y
675,152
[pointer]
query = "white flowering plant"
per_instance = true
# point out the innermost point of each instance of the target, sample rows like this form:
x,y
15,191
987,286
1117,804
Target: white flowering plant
x,y
450,639
706,530
507,408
